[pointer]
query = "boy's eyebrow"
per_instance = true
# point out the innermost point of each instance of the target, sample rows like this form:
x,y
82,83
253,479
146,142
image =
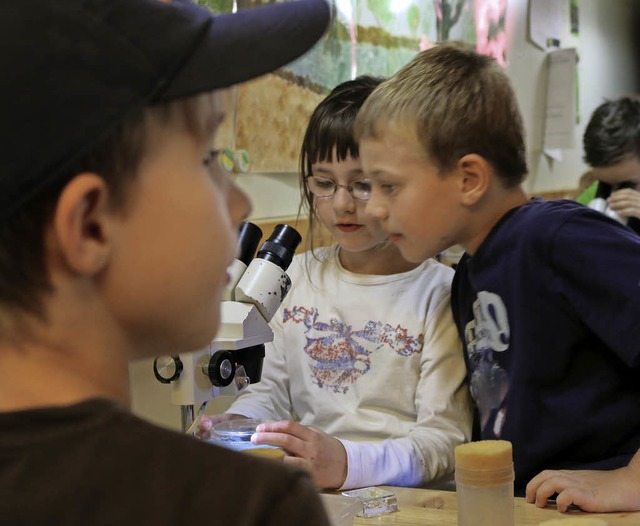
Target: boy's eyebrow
x,y
219,116
375,173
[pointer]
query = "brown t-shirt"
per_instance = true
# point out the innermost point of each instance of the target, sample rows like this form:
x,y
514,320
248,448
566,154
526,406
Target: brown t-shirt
x,y
95,463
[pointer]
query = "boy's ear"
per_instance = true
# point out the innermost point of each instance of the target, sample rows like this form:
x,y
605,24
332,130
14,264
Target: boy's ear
x,y
475,176
81,224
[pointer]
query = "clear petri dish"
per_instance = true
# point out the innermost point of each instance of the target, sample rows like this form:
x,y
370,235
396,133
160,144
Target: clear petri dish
x,y
236,435
239,430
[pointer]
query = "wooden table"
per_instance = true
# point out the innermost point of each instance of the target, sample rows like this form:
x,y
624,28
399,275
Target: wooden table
x,y
438,508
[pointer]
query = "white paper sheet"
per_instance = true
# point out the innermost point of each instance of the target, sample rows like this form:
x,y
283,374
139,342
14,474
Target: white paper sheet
x,y
545,22
560,112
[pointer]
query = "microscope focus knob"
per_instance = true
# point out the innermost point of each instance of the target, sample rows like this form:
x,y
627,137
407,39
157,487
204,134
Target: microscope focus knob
x,y
221,369
167,368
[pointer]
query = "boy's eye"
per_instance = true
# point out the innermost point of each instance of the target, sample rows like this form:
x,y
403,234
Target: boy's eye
x,y
388,188
211,157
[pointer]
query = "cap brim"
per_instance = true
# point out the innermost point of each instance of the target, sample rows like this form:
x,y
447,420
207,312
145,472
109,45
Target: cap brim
x,y
91,63
240,46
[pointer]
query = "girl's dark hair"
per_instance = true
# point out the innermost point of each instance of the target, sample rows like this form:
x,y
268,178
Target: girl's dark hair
x,y
329,132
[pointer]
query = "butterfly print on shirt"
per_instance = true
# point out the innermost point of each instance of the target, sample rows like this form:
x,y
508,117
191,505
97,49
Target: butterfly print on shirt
x,y
339,354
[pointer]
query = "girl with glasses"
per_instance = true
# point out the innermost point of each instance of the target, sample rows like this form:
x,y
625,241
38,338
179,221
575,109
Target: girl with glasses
x,y
364,383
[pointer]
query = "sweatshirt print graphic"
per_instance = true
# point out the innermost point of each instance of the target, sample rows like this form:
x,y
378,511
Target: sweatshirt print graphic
x,y
487,334
340,353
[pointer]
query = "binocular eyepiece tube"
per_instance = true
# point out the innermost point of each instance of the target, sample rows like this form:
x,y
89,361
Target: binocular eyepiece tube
x,y
265,282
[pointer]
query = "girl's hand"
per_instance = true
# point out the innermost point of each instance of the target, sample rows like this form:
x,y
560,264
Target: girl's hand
x,y
319,453
203,430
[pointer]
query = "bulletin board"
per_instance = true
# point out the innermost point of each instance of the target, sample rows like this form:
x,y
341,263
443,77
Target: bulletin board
x,y
268,116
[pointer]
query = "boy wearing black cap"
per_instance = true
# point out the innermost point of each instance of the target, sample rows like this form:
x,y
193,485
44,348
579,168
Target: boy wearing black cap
x,y
116,228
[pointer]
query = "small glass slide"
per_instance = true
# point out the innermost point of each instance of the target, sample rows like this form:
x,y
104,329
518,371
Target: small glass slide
x,y
375,501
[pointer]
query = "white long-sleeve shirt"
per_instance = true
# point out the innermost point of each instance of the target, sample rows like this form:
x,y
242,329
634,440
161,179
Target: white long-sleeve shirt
x,y
372,360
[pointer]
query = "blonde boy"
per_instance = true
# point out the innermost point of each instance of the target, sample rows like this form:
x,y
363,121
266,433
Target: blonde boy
x,y
547,296
116,229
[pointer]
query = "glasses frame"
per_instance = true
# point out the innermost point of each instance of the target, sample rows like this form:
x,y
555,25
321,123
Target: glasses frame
x,y
347,187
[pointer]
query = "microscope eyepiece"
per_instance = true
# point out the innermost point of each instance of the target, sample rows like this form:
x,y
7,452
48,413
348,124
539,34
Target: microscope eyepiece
x,y
603,190
249,237
281,246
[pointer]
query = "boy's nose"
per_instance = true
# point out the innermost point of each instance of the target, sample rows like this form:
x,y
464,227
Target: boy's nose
x,y
239,204
375,208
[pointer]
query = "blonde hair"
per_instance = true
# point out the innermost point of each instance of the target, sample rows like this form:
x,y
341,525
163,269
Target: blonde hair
x,y
457,102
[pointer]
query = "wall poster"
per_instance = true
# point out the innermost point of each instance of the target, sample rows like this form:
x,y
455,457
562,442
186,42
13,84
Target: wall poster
x,y
375,37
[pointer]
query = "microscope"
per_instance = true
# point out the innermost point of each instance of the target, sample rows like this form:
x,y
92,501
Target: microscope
x,y
234,358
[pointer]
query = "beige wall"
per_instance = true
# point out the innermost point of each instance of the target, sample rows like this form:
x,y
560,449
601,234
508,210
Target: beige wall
x,y
606,69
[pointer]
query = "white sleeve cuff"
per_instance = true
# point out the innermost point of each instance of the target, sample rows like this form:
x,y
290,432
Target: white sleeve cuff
x,y
391,462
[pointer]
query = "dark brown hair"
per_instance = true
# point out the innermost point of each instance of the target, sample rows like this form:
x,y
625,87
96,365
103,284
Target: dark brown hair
x,y
613,132
330,130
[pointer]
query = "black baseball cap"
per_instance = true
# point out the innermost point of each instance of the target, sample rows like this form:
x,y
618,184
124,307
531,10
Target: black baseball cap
x,y
74,69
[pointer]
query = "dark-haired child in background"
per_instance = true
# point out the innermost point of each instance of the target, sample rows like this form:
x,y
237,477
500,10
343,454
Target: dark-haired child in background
x,y
611,144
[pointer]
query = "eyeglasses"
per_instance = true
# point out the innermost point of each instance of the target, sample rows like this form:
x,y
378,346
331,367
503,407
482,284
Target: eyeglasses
x,y
321,187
